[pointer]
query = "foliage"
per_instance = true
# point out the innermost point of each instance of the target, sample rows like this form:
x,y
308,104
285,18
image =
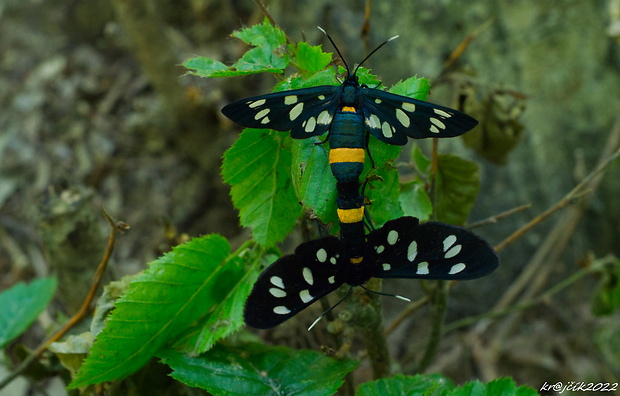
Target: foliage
x,y
21,304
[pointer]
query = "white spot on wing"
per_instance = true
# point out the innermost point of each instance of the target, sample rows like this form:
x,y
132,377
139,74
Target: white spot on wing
x,y
331,279
422,268
321,255
412,251
448,242
308,276
310,125
296,111
456,268
438,123
277,292
305,296
281,310
321,97
332,260
456,249
277,281
265,120
392,237
324,118
373,122
378,101
442,113
257,103
291,99
386,129
434,129
386,267
261,114
410,107
380,249
403,118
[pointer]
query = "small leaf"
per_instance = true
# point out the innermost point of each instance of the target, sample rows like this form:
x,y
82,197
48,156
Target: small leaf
x,y
205,67
258,168
176,290
419,159
262,35
414,87
265,57
310,59
256,369
324,77
423,385
383,194
500,386
415,201
21,304
458,183
314,182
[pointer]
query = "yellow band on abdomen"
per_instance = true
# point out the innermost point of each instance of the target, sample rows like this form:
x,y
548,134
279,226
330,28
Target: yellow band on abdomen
x,y
346,155
351,215
348,109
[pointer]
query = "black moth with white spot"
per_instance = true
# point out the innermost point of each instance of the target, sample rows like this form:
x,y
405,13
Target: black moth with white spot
x,y
402,248
311,112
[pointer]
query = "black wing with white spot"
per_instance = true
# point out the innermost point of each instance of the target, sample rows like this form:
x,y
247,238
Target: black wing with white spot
x,y
305,112
402,248
293,282
391,118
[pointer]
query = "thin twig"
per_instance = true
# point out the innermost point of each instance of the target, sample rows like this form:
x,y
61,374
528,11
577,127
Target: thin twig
x,y
115,227
494,219
458,51
409,309
567,199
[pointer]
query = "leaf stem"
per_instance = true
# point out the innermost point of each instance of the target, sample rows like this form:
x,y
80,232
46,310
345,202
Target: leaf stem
x,y
115,227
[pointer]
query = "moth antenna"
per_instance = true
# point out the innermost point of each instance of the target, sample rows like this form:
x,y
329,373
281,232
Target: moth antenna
x,y
337,50
329,310
373,51
386,294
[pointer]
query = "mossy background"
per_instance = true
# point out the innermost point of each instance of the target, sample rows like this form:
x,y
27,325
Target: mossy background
x,y
91,115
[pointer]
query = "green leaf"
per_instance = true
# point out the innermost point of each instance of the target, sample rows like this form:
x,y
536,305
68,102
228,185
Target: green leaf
x,y
21,304
205,67
436,385
414,87
501,386
458,183
423,385
265,57
256,369
176,290
226,316
310,59
606,296
415,201
315,184
383,193
419,160
324,77
258,168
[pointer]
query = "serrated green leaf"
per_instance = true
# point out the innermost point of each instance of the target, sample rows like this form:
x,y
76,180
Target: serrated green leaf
x,y
258,168
176,290
364,75
419,385
324,77
21,304
458,183
315,185
310,59
383,193
256,369
500,386
415,201
226,316
205,67
265,57
262,35
414,87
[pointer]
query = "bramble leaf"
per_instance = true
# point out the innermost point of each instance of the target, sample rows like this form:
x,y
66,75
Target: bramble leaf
x,y
258,168
257,369
176,290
